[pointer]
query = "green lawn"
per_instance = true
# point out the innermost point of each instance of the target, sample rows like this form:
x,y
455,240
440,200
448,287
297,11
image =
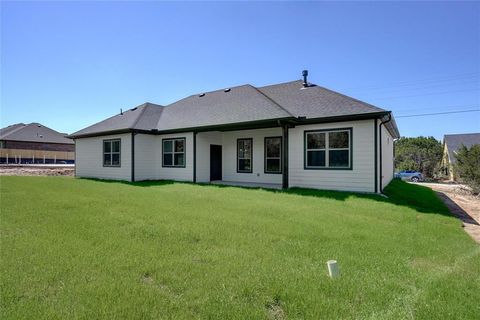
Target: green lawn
x,y
76,248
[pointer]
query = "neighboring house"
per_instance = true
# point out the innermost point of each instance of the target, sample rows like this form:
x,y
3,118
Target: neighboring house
x,y
293,134
34,143
451,144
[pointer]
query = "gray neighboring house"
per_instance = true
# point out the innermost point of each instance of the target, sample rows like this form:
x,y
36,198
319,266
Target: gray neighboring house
x,y
34,143
293,134
451,144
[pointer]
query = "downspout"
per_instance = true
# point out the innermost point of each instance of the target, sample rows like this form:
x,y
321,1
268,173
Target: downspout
x,y
133,156
284,127
375,139
380,138
194,157
74,157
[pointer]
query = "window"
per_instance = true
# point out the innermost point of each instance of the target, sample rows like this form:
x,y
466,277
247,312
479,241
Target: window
x,y
111,153
328,149
273,155
2,144
244,155
174,152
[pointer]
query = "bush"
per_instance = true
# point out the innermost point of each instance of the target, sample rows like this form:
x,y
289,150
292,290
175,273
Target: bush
x,y
468,166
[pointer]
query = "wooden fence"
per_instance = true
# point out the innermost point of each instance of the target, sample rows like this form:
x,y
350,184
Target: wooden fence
x,y
36,156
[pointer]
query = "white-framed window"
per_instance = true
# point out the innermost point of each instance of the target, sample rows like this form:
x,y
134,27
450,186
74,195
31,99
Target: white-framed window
x,y
273,155
173,152
328,149
244,155
111,152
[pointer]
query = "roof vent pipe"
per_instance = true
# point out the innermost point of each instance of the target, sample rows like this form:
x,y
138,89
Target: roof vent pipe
x,y
305,74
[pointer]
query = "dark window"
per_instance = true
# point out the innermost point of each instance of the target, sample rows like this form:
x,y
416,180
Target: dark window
x,y
244,155
111,153
174,152
273,155
328,149
316,149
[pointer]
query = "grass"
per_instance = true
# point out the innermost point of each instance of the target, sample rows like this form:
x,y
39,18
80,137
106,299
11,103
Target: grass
x,y
75,248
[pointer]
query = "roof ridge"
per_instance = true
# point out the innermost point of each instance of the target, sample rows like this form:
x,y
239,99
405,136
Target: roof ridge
x,y
140,114
270,99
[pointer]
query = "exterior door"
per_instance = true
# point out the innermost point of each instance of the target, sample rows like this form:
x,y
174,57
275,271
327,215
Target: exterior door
x,y
215,162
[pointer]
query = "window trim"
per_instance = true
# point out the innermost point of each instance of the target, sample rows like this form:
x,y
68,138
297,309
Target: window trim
x,y
265,155
251,156
111,153
173,152
327,149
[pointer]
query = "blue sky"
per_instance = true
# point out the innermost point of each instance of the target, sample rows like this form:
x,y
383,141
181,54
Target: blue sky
x,y
70,64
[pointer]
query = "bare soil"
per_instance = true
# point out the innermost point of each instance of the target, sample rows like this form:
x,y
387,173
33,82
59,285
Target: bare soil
x,y
462,203
36,171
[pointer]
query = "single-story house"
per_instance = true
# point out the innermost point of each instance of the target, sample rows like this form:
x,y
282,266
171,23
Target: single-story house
x,y
34,143
451,144
293,134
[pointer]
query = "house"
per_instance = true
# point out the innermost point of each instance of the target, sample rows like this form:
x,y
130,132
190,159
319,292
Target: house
x,y
34,143
451,144
293,134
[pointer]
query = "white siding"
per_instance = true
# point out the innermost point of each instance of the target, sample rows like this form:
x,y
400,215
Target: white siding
x,y
169,173
146,157
229,156
387,157
204,140
89,158
362,176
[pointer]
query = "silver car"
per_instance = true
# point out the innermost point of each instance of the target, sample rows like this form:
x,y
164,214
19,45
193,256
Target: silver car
x,y
409,175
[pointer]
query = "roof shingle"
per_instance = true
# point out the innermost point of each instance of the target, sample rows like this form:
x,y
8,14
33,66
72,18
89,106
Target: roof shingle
x,y
240,104
33,132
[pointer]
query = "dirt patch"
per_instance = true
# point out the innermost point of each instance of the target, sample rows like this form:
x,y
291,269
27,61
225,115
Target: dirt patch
x,y
36,171
462,204
275,310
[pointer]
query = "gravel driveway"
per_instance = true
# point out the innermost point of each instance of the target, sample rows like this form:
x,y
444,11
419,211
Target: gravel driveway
x,y
462,204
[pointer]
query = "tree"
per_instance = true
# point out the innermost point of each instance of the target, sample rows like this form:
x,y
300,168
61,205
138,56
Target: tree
x,y
467,166
420,153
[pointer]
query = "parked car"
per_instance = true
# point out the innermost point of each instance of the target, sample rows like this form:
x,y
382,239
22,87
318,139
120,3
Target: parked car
x,y
409,175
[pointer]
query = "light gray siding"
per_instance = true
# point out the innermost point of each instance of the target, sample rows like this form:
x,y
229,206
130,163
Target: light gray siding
x,y
360,178
387,157
89,158
146,157
169,173
204,140
230,156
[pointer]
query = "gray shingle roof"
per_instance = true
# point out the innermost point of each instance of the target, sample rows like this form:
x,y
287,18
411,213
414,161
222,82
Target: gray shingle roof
x,y
240,104
33,132
315,101
454,141
143,117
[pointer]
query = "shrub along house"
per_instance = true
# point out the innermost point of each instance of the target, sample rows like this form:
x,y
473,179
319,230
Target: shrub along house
x,y
294,134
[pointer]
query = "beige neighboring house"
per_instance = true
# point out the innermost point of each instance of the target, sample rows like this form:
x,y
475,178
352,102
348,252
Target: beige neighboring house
x,y
451,145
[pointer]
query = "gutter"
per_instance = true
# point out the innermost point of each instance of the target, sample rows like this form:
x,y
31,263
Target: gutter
x,y
266,123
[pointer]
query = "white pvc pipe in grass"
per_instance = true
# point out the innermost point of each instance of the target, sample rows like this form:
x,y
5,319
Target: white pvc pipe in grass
x,y
333,270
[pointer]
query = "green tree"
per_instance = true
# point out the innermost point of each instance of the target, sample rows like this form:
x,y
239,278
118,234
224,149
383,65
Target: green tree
x,y
420,153
468,166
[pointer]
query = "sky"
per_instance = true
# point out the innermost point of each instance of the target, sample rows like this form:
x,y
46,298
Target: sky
x,y
68,65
